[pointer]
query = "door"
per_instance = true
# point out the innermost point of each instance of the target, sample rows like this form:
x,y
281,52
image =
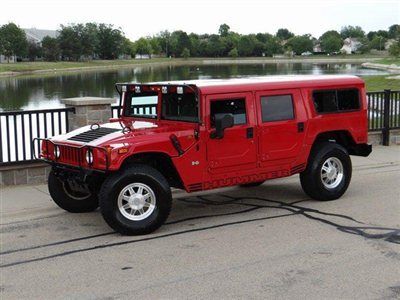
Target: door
x,y
236,150
281,117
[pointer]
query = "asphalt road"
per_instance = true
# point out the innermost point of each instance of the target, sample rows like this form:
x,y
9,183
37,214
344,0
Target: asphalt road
x,y
266,242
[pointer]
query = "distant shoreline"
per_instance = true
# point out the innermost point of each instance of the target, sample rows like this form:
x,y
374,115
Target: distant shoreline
x,y
63,67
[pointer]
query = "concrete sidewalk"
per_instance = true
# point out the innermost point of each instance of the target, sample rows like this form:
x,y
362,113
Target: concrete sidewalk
x,y
267,242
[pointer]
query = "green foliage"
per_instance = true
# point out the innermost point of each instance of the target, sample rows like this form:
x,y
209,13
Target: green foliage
x,y
352,32
185,53
331,41
143,46
394,49
378,42
284,34
110,42
394,31
179,41
223,30
51,49
12,40
233,53
300,44
34,50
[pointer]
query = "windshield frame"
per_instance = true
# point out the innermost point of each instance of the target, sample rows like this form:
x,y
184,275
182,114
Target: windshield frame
x,y
126,91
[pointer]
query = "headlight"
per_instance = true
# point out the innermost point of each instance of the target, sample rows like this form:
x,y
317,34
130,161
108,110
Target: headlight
x,y
89,157
57,152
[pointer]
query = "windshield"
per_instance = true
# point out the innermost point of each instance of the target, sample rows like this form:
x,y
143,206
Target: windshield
x,y
177,107
143,105
180,107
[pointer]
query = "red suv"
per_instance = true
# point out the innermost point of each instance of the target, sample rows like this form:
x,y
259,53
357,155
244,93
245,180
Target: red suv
x,y
200,135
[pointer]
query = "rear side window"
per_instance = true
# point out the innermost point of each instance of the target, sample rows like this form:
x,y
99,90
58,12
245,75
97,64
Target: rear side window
x,y
336,100
277,108
236,107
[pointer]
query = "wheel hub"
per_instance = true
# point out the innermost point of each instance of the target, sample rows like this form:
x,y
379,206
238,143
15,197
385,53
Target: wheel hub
x,y
136,201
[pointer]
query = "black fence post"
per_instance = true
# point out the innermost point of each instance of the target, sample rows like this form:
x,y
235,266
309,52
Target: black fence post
x,y
386,118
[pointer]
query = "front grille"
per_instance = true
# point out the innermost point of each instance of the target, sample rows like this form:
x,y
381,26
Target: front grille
x,y
70,155
92,134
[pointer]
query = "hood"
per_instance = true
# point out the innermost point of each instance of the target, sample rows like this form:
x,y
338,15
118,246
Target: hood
x,y
126,131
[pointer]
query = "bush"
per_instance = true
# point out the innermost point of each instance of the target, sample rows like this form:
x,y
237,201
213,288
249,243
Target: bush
x,y
394,49
185,53
233,53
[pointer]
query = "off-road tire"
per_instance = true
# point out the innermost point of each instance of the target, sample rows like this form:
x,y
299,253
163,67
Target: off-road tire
x,y
115,183
311,179
64,200
252,184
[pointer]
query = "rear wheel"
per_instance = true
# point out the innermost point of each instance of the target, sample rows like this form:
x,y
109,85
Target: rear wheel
x,y
328,172
71,196
136,200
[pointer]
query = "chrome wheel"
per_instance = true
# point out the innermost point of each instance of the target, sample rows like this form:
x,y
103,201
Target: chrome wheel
x,y
136,201
332,172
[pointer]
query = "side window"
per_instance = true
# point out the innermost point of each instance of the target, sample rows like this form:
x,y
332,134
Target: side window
x,y
336,100
236,107
277,108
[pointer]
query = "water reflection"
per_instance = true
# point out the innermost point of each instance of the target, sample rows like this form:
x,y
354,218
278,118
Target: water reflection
x,y
45,91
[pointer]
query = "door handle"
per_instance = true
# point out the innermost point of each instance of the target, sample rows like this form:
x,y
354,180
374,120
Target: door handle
x,y
250,132
300,127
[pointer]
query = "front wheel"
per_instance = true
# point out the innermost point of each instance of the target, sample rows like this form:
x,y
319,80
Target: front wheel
x,y
136,200
328,172
72,196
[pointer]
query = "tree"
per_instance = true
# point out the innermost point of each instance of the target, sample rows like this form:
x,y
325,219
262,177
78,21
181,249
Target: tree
x,y
51,49
89,34
179,41
110,42
185,53
284,34
233,53
34,50
299,44
223,30
246,45
352,32
12,40
70,43
394,31
143,46
378,42
331,41
394,49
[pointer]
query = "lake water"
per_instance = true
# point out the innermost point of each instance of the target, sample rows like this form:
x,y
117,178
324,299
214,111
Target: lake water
x,y
45,91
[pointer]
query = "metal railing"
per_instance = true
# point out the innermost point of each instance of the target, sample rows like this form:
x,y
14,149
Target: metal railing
x,y
19,128
384,112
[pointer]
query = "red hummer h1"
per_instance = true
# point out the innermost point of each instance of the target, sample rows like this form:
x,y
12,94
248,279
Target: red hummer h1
x,y
207,134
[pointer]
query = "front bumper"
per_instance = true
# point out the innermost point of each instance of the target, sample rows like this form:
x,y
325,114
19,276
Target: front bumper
x,y
361,150
72,157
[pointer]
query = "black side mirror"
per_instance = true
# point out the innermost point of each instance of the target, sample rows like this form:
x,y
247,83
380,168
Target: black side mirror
x,y
222,121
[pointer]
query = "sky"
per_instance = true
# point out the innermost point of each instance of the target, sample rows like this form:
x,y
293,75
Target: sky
x,y
148,17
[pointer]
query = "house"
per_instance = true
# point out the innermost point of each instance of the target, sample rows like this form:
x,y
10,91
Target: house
x,y
350,45
37,35
5,59
389,43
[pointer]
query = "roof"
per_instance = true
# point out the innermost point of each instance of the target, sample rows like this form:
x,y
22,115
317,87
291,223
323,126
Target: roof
x,y
208,86
38,34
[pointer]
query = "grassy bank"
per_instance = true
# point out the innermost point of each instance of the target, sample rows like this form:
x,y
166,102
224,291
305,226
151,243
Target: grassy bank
x,y
26,67
381,82
21,68
389,61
